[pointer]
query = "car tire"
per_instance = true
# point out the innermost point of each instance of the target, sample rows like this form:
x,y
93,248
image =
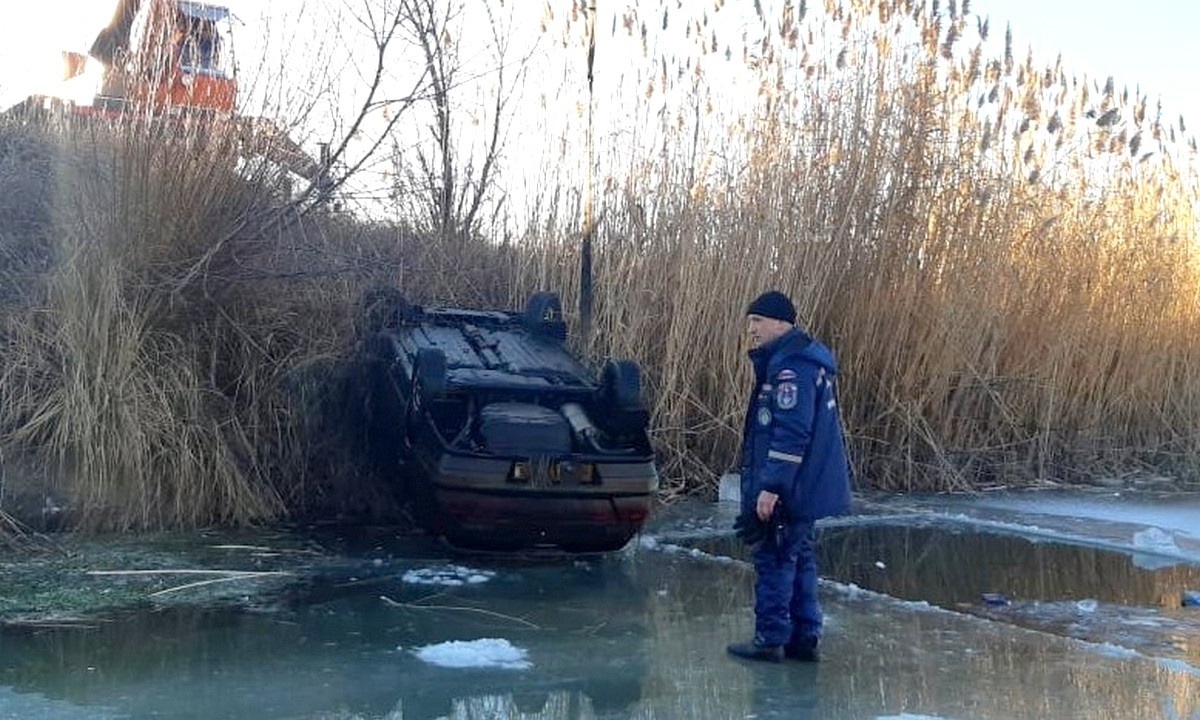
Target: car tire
x,y
381,308
429,375
382,407
621,385
544,315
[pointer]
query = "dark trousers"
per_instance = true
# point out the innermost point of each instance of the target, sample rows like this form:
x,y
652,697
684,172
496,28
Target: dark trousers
x,y
785,588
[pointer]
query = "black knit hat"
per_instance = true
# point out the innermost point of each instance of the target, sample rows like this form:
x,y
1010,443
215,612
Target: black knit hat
x,y
773,304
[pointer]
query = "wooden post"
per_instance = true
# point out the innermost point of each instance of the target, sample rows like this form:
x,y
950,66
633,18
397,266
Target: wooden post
x,y
589,222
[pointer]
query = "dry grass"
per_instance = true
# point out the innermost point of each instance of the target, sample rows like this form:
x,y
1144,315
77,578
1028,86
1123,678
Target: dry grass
x,y
1003,257
178,355
106,380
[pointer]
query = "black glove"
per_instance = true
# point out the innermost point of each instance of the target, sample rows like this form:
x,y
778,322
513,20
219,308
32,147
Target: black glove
x,y
752,531
749,528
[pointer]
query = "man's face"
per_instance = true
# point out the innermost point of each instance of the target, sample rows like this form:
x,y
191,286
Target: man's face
x,y
763,329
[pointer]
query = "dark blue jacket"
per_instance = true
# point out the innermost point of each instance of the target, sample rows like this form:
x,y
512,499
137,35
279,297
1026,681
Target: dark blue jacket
x,y
792,437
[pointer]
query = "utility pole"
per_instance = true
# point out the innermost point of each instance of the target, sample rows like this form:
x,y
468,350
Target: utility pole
x,y
589,220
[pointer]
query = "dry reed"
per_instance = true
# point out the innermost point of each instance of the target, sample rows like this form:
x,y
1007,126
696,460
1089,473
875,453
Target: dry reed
x,y
1013,296
1004,258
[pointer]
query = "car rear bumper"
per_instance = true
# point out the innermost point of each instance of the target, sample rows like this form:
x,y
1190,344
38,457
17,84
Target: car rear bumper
x,y
480,506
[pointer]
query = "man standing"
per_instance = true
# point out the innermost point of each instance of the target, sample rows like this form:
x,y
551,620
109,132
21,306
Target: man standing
x,y
794,471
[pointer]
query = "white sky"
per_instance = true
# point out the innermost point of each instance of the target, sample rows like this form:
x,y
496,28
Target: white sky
x,y
1149,47
1152,46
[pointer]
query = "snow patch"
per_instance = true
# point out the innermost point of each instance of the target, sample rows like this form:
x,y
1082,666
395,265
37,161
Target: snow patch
x,y
651,543
1115,651
856,592
729,490
1158,541
482,653
447,575
907,716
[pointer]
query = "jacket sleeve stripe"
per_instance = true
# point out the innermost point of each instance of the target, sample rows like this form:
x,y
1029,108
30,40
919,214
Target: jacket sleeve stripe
x,y
776,455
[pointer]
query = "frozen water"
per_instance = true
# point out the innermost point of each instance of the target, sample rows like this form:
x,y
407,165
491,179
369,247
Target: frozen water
x,y
483,653
729,489
35,706
641,634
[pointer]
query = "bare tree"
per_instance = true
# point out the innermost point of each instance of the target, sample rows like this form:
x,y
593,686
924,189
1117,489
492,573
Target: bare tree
x,y
444,179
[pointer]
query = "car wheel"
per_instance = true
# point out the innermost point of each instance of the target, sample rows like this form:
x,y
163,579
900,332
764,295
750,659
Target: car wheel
x,y
382,407
544,315
429,373
381,308
621,384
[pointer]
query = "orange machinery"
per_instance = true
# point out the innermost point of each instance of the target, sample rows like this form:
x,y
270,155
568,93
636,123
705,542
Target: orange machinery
x,y
166,55
174,58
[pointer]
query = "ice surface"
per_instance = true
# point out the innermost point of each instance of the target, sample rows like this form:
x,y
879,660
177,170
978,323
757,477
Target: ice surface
x,y
482,653
729,489
1158,530
1175,514
642,633
33,706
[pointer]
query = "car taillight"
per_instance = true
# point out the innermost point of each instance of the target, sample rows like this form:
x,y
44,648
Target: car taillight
x,y
585,474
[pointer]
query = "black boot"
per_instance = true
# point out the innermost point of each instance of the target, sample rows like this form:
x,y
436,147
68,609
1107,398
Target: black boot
x,y
753,651
803,649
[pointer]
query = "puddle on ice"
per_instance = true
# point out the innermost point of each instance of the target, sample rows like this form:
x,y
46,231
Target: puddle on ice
x,y
1089,593
404,633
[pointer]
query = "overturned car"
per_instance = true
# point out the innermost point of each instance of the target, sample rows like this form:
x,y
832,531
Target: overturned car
x,y
501,439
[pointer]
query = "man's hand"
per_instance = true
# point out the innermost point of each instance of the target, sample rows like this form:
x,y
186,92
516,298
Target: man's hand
x,y
766,505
